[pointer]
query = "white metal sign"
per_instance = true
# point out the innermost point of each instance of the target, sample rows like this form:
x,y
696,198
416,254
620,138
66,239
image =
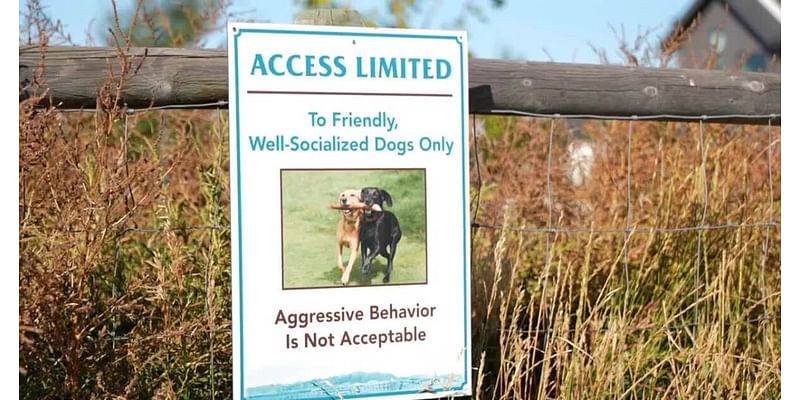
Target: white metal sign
x,y
349,212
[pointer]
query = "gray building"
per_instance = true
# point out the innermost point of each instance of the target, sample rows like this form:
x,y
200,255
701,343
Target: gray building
x,y
730,35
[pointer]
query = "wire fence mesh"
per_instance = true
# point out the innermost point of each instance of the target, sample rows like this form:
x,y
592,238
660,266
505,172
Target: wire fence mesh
x,y
770,223
707,221
543,205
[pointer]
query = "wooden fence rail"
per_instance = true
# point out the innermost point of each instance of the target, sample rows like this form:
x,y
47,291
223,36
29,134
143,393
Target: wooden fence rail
x,y
72,77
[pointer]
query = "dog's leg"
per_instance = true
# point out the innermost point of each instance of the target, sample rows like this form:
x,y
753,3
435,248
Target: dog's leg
x,y
390,261
366,260
339,257
350,262
396,235
364,265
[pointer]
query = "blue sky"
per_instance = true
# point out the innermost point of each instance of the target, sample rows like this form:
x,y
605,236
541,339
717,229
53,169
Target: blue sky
x,y
534,30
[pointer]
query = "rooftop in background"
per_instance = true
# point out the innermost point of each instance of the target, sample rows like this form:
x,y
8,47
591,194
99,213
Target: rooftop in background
x,y
730,34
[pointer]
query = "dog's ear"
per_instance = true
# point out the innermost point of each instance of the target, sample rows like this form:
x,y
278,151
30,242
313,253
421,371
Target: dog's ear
x,y
386,197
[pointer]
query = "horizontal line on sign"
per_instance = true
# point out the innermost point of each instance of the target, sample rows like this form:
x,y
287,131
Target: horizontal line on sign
x,y
349,93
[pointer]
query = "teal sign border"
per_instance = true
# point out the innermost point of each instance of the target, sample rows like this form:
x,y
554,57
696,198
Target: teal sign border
x,y
465,213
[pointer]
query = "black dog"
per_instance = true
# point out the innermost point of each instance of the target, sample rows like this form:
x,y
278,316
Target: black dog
x,y
379,232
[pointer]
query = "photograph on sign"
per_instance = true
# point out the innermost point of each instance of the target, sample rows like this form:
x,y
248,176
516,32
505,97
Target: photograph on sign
x,y
327,209
349,212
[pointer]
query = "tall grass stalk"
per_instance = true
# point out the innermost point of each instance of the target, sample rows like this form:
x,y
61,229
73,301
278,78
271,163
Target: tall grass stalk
x,y
569,328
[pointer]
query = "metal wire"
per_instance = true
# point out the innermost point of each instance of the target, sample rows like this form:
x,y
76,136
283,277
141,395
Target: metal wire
x,y
551,229
195,106
483,225
225,103
702,223
479,180
548,237
764,288
636,117
550,174
633,329
636,230
689,118
769,171
628,220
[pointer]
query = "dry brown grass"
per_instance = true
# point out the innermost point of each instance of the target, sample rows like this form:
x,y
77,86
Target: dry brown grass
x,y
119,296
561,324
123,298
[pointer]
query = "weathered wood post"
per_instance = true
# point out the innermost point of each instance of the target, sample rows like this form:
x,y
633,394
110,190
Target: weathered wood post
x,y
197,78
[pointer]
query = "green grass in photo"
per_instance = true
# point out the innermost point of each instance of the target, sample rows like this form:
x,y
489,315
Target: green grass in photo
x,y
309,226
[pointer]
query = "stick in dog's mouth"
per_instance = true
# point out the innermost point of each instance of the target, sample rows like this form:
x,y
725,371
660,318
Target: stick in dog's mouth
x,y
369,210
356,206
